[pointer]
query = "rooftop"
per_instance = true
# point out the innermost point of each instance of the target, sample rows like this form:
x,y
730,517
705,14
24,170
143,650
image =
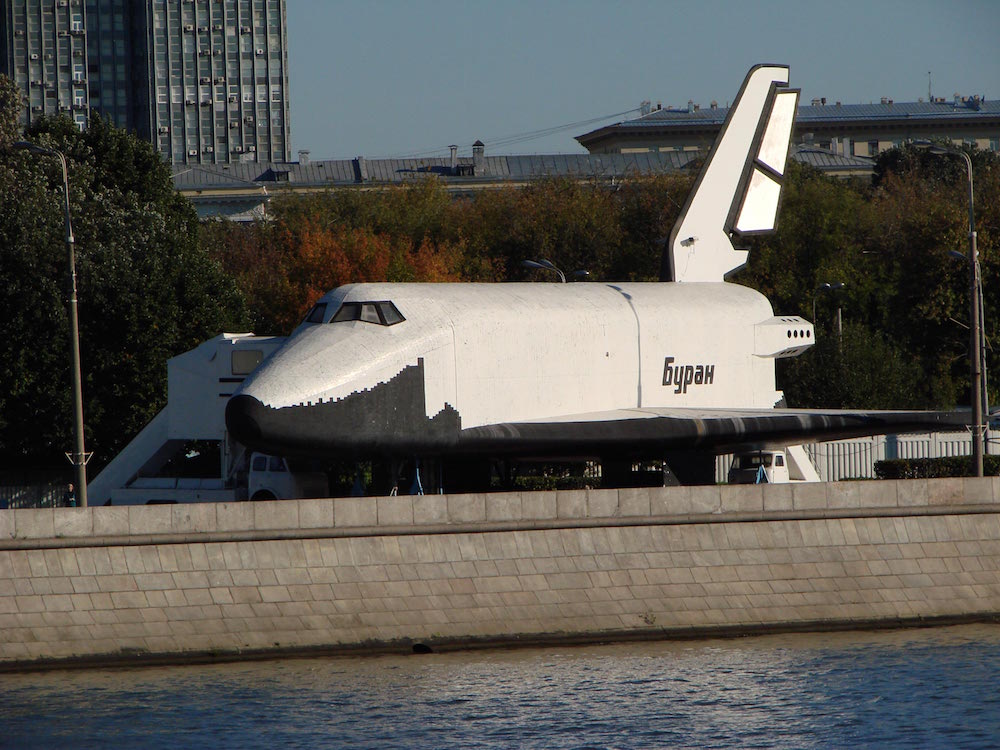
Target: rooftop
x,y
466,171
240,191
956,109
492,169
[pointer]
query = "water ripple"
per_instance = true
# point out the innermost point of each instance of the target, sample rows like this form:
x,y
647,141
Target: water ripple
x,y
929,688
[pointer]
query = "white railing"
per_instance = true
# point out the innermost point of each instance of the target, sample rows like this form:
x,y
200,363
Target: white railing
x,y
855,458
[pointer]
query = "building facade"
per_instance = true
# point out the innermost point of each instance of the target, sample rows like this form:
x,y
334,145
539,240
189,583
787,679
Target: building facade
x,y
43,49
116,63
861,130
218,72
205,81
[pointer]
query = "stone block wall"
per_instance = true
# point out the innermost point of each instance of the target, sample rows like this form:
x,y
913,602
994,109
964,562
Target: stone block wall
x,y
127,583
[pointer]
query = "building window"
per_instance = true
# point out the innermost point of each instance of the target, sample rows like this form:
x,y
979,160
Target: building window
x,y
995,144
873,148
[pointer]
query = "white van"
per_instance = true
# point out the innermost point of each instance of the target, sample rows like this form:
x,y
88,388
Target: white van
x,y
274,477
759,467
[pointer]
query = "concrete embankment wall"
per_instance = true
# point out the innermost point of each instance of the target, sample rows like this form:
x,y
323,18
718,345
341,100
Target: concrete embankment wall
x,y
183,581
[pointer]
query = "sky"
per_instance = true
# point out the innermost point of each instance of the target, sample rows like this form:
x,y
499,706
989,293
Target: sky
x,y
390,78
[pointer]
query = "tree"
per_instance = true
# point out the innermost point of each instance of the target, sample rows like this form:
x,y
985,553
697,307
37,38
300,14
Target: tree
x,y
284,264
649,208
147,291
889,244
865,370
617,233
10,111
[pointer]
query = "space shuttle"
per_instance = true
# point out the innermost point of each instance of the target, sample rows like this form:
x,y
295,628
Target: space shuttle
x,y
629,371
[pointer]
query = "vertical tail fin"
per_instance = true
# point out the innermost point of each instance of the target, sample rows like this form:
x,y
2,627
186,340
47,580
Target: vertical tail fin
x,y
740,185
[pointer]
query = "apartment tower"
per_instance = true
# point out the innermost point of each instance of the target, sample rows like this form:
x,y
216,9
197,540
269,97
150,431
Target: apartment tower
x,y
206,81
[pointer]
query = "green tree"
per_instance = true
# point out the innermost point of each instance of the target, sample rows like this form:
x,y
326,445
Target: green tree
x,y
649,207
147,290
10,111
820,238
614,232
889,243
864,370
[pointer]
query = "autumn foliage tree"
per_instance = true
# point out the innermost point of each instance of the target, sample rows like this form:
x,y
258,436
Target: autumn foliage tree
x,y
418,232
284,264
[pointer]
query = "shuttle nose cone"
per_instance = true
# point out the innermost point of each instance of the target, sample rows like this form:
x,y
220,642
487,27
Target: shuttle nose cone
x,y
243,419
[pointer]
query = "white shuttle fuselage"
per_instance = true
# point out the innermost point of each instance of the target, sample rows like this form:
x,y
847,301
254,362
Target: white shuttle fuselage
x,y
582,369
499,353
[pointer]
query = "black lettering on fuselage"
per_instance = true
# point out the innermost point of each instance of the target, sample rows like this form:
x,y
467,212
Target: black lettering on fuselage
x,y
683,376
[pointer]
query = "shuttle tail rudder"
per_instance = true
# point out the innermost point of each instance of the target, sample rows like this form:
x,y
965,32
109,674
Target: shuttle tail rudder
x,y
739,187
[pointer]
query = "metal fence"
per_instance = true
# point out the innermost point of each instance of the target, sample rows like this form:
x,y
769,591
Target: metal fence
x,y
855,458
32,494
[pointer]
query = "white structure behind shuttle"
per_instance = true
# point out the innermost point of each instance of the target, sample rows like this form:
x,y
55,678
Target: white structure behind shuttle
x,y
739,189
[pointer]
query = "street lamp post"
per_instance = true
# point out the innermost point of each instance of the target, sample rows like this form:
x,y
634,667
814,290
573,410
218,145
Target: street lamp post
x,y
548,265
79,457
976,348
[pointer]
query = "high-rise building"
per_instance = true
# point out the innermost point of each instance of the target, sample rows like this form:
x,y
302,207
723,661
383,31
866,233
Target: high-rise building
x,y
203,80
218,79
117,70
43,49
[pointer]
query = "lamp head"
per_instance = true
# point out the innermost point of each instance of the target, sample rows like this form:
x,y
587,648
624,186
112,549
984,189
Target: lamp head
x,y
931,147
28,146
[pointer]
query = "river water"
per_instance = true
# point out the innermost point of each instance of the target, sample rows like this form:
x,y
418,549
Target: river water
x,y
925,688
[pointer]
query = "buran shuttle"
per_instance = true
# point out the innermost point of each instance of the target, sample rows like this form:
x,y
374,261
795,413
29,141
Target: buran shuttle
x,y
670,370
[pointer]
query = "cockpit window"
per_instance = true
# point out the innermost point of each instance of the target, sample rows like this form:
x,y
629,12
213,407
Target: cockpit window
x,y
348,311
380,313
390,315
316,314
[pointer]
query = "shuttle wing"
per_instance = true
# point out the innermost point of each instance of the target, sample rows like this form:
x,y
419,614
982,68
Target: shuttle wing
x,y
377,423
739,188
650,431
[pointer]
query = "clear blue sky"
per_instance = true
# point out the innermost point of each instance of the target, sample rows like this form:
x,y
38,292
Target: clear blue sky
x,y
381,78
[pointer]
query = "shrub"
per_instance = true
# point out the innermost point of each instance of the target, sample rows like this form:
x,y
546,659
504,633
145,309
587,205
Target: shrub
x,y
931,468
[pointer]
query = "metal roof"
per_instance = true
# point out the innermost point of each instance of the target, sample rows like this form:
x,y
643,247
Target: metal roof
x,y
343,172
830,161
239,191
968,110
